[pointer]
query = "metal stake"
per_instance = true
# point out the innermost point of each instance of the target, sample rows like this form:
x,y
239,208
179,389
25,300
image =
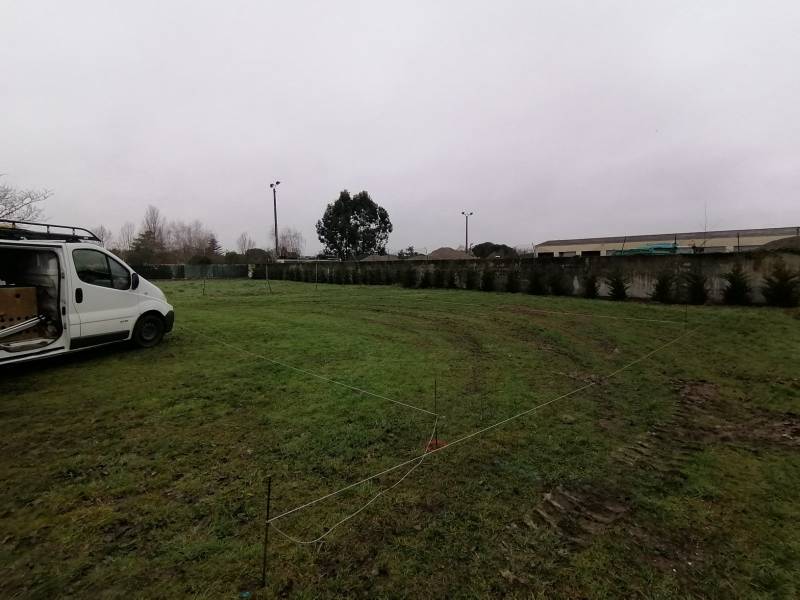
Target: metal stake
x,y
482,401
436,410
266,536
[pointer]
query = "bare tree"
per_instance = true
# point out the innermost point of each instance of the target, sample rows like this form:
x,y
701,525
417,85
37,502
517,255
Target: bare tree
x,y
126,236
105,235
154,223
21,204
290,242
185,240
245,243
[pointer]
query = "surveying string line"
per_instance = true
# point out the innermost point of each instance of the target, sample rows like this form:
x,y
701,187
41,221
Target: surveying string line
x,y
312,374
363,507
411,460
555,312
489,427
479,305
523,306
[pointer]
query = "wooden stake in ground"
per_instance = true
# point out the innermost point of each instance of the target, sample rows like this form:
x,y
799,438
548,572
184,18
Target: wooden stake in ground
x,y
266,276
266,536
436,410
483,401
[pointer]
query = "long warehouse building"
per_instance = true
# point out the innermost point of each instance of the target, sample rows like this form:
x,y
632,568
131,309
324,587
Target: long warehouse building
x,y
742,240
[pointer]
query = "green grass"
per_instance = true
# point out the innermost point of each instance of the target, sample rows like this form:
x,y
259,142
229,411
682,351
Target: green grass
x,y
143,473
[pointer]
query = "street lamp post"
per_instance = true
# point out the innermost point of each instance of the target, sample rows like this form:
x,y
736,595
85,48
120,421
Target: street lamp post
x,y
274,187
467,215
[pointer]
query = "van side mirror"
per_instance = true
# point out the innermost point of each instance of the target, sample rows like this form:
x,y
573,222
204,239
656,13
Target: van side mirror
x,y
134,281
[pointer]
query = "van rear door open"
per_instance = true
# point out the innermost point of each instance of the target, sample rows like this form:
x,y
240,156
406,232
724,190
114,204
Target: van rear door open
x,y
31,314
101,298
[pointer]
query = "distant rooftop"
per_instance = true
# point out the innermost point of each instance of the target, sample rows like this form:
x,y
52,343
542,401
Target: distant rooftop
x,y
669,237
444,253
379,258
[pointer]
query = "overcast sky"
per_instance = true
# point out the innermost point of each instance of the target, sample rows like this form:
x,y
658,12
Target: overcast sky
x,y
547,119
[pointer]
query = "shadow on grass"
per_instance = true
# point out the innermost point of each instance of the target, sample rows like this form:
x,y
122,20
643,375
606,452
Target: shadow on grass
x,y
69,359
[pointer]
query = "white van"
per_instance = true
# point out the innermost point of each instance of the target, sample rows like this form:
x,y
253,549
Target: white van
x,y
61,291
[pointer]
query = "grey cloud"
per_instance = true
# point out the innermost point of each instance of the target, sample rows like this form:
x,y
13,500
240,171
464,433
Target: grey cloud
x,y
548,119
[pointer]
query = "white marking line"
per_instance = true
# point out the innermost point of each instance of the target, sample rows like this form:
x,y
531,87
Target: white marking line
x,y
370,501
348,303
311,374
485,429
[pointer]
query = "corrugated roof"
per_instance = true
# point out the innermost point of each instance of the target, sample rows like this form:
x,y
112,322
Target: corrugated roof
x,y
783,231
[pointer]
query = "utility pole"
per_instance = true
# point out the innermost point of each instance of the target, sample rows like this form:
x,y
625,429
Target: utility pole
x,y
467,215
274,187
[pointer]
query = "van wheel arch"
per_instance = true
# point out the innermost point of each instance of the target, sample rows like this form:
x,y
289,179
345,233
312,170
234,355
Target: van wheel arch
x,y
149,329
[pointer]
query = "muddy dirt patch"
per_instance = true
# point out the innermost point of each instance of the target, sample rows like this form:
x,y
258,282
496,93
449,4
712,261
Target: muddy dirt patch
x,y
580,513
702,416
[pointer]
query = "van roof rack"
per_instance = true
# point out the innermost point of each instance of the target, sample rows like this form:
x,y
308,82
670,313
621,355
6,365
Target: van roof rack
x,y
10,229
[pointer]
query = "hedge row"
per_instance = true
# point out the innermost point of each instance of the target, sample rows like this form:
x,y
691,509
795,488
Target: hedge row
x,y
781,286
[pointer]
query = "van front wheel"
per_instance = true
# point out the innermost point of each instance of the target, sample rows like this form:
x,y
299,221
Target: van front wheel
x,y
149,331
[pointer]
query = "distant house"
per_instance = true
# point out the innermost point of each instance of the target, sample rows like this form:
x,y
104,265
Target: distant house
x,y
379,258
741,240
445,253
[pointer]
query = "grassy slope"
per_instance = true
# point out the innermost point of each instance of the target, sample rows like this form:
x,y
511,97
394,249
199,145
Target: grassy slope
x,y
144,471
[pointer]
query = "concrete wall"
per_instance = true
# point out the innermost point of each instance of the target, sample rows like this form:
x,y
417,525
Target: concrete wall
x,y
642,271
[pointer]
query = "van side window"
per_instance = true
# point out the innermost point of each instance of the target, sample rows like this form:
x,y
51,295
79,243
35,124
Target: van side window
x,y
97,268
120,276
92,267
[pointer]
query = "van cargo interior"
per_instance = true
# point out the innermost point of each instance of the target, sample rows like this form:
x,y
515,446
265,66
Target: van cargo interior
x,y
29,299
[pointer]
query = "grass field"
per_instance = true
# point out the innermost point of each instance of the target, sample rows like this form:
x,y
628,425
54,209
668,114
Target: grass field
x,y
143,473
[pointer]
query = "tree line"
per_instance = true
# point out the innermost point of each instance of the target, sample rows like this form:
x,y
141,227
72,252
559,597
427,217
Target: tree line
x,y
351,227
158,241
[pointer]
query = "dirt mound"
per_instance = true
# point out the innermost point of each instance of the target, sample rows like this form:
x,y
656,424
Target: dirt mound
x,y
787,243
779,429
699,393
446,253
700,420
